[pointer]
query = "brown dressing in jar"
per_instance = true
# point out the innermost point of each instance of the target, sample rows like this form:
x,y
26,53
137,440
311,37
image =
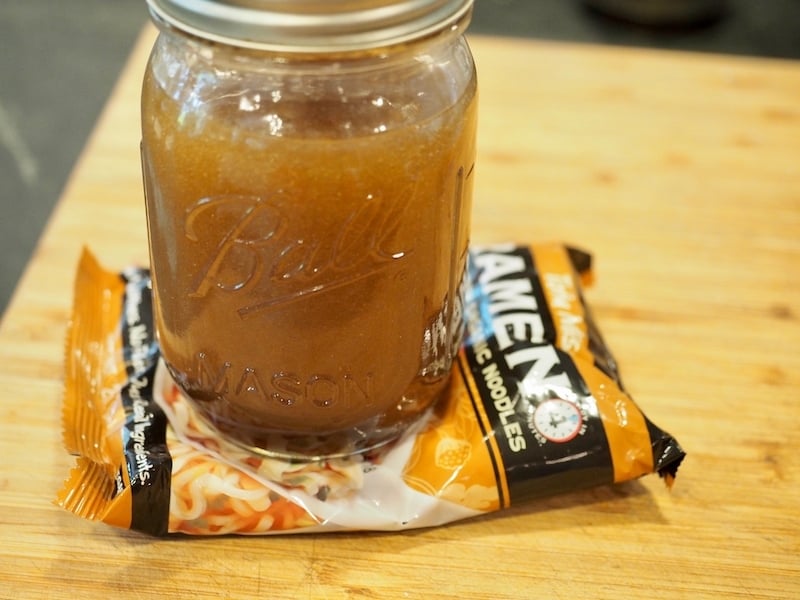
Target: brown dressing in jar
x,y
308,243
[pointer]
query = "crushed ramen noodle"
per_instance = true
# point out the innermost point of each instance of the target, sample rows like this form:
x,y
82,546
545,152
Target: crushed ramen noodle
x,y
534,407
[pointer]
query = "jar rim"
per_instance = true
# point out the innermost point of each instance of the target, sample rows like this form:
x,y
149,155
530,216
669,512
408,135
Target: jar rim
x,y
311,25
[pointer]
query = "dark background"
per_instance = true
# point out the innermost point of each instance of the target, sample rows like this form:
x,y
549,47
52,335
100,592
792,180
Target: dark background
x,y
60,58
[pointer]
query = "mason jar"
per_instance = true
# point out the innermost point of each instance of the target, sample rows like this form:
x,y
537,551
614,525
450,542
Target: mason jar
x,y
308,170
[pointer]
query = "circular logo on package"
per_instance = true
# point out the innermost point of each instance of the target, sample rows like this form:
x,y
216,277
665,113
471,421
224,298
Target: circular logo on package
x,y
557,420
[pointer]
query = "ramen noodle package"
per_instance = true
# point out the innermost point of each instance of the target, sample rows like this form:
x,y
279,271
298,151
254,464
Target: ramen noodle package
x,y
535,407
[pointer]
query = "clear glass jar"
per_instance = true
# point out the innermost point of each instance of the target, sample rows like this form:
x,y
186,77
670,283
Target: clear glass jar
x,y
308,197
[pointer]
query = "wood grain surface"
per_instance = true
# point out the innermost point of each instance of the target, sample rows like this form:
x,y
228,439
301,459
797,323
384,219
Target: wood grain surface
x,y
681,174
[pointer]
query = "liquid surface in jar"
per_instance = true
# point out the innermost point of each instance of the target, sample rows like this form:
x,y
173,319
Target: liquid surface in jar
x,y
306,271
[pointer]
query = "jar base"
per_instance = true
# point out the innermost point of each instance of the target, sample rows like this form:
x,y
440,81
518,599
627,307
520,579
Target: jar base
x,y
311,448
303,446
302,449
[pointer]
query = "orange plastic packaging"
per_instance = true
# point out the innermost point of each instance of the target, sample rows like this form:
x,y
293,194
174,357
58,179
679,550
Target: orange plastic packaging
x,y
535,407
